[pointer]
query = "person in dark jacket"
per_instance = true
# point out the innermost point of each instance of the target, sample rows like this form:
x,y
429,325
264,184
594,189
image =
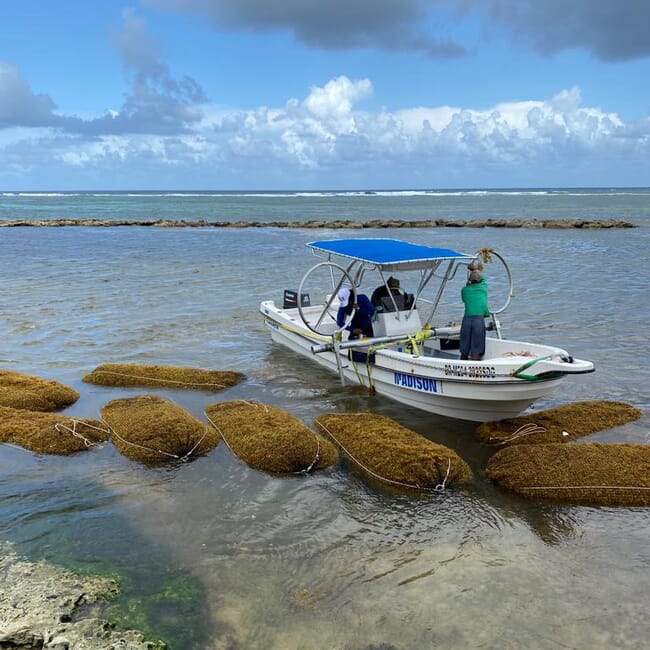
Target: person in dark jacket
x,y
361,323
381,296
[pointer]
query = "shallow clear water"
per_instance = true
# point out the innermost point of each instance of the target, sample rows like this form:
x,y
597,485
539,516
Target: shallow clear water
x,y
330,560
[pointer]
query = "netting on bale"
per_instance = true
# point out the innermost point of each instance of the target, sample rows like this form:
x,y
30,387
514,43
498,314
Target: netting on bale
x,y
561,424
151,429
587,473
33,393
48,433
132,374
270,439
394,454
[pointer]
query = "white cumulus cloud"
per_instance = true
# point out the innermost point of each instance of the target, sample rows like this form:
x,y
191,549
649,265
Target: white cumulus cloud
x,y
327,139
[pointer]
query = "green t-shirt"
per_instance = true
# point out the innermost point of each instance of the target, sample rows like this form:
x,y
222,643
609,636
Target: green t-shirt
x,y
475,299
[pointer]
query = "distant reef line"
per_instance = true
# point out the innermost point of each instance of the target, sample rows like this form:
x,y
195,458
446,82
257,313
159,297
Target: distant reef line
x,y
320,223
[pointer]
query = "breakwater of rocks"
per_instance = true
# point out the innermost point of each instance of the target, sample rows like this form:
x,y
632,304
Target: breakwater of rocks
x,y
319,223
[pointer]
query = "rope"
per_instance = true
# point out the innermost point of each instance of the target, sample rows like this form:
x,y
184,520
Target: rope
x,y
302,332
438,488
371,387
89,443
11,444
413,340
441,486
517,372
369,352
259,404
168,381
354,365
585,487
183,458
524,430
485,254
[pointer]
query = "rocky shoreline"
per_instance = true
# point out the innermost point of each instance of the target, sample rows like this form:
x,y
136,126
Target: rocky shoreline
x,y
587,224
45,607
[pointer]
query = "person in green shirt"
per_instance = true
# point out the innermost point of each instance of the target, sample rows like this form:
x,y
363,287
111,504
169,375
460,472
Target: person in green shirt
x,y
472,330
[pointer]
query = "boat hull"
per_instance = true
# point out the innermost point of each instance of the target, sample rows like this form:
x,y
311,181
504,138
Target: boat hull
x,y
480,391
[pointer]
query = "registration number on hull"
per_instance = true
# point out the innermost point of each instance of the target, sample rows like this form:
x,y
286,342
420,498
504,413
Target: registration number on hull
x,y
459,370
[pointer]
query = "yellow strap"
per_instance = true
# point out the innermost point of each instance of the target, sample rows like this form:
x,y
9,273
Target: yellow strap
x,y
303,332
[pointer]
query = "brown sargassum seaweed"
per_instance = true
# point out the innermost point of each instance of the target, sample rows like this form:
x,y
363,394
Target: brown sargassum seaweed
x,y
151,429
561,424
585,473
393,453
33,393
270,439
49,433
133,374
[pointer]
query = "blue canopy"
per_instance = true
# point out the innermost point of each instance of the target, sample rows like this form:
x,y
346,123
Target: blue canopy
x,y
387,254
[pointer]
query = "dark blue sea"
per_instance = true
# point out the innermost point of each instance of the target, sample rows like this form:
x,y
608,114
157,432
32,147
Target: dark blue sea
x,y
212,554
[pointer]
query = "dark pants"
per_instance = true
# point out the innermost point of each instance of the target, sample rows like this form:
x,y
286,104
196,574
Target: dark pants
x,y
472,337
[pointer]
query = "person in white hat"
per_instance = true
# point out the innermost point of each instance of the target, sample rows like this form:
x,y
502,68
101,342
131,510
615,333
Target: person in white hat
x,y
361,323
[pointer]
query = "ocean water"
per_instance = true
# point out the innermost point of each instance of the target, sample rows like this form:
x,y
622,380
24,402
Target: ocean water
x,y
212,554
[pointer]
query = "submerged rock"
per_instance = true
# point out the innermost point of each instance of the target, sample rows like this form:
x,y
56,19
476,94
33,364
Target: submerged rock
x,y
587,473
48,433
392,453
151,429
560,424
270,439
44,606
133,374
33,393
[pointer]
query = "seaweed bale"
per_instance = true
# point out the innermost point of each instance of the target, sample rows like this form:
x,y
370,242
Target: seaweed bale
x,y
588,473
151,429
48,433
394,454
270,439
560,424
33,393
133,374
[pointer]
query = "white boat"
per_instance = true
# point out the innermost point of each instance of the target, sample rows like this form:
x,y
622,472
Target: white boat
x,y
411,359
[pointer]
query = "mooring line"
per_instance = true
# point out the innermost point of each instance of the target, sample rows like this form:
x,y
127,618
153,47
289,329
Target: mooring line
x,y
89,443
585,487
265,407
168,381
437,488
524,430
184,458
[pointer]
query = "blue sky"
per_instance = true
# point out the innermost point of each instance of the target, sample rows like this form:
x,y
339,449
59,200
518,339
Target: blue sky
x,y
306,94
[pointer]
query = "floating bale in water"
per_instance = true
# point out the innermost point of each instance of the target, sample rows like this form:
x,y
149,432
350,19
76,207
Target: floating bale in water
x,y
587,474
270,439
33,393
133,374
394,454
151,429
47,433
560,424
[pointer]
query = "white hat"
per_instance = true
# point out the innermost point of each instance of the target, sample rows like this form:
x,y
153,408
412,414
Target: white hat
x,y
344,295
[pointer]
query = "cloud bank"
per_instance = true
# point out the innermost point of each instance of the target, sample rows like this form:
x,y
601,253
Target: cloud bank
x,y
156,102
610,29
393,25
325,139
